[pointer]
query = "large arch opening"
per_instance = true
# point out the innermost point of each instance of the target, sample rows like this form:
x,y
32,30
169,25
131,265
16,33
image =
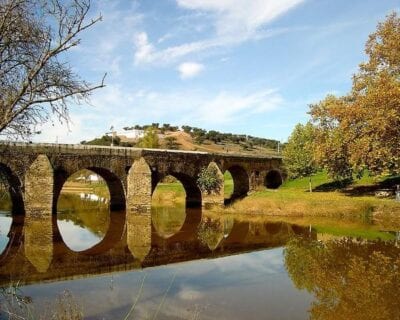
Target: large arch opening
x,y
273,179
86,208
236,184
168,207
192,191
11,205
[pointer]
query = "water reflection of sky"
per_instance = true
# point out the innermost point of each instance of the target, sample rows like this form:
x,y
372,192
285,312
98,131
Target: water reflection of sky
x,y
246,286
76,237
5,224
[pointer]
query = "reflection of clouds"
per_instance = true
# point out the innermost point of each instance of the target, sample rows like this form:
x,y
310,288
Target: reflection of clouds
x,y
76,237
244,286
188,293
267,261
5,224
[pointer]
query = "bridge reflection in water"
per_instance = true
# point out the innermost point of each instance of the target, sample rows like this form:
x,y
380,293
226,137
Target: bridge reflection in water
x,y
337,274
36,251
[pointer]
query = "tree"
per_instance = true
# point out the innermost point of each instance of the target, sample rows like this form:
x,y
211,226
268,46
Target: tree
x,y
367,120
349,278
35,79
298,154
103,141
171,143
331,142
150,139
209,180
187,129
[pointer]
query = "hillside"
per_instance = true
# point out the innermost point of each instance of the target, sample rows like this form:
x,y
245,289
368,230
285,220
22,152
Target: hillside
x,y
190,139
186,142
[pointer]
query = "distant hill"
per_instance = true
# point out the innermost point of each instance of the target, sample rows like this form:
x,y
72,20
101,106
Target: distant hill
x,y
191,139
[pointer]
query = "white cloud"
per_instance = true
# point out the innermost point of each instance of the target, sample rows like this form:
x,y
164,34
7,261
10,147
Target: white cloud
x,y
235,22
144,49
235,17
190,69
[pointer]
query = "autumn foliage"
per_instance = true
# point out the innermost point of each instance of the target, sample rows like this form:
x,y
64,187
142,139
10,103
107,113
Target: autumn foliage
x,y
362,129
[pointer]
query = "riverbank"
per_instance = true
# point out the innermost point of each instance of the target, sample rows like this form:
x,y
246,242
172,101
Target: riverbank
x,y
287,202
351,201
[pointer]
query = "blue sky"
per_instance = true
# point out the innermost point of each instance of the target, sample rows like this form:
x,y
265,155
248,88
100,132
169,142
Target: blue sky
x,y
241,66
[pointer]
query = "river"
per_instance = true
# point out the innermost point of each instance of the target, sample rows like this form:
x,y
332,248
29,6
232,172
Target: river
x,y
86,262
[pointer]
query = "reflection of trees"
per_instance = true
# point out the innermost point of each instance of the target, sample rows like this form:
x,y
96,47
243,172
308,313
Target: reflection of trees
x,y
168,220
350,279
90,215
212,231
5,200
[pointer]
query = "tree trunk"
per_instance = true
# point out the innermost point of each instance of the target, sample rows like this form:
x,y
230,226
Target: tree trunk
x,y
309,183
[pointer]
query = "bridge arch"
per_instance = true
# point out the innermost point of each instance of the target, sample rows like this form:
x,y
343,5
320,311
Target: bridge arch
x,y
12,185
193,193
273,179
113,182
241,184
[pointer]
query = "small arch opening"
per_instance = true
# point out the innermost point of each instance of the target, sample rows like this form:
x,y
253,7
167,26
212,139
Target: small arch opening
x,y
236,184
228,185
273,179
83,210
168,207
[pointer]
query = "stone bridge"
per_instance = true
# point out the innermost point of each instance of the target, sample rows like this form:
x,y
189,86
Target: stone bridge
x,y
36,173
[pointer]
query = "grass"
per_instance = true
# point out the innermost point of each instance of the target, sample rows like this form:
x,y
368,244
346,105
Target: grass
x,y
228,185
168,194
302,183
321,178
293,199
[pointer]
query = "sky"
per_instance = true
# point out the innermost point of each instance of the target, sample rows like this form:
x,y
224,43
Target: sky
x,y
241,66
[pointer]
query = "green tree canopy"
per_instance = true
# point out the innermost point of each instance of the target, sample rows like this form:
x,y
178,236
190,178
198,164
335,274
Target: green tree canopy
x,y
209,180
298,154
150,139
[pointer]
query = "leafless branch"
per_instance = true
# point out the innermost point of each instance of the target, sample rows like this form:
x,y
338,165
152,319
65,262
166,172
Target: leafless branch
x,y
33,82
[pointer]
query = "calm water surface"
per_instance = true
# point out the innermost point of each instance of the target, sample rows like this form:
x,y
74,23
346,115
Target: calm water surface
x,y
188,264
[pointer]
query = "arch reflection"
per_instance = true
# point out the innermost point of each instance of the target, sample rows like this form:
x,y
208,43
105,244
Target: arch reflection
x,y
82,221
43,256
168,210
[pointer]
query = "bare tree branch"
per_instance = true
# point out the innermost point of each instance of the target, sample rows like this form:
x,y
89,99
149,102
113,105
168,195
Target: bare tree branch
x,y
33,82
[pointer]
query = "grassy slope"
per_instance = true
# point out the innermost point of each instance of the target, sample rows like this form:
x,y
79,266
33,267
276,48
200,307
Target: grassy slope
x,y
322,178
293,199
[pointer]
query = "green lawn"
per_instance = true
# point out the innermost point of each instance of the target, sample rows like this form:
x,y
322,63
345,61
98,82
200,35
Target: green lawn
x,y
228,185
322,178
